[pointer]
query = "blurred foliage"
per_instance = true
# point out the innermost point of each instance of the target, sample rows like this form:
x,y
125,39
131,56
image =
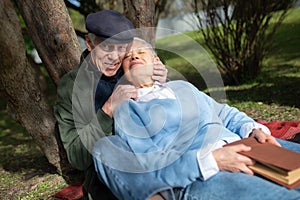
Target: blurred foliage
x,y
239,34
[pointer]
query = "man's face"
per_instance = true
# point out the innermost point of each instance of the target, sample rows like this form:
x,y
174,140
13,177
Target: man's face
x,y
107,57
138,64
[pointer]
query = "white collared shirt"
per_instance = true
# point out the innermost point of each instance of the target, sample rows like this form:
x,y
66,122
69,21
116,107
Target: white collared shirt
x,y
157,91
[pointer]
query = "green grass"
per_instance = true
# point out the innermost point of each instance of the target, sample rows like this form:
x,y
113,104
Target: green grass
x,y
273,95
25,172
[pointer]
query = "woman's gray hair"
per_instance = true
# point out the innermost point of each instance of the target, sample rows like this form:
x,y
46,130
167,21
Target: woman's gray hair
x,y
148,45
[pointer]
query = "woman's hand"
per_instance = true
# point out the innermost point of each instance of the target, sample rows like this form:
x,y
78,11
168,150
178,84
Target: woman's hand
x,y
120,94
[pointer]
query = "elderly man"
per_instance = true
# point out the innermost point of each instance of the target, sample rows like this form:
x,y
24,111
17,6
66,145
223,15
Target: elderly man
x,y
85,97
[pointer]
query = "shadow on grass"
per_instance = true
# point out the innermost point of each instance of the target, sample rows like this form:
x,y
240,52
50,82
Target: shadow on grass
x,y
275,84
276,88
18,152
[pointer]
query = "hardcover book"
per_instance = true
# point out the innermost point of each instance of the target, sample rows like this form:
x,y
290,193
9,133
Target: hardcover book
x,y
278,164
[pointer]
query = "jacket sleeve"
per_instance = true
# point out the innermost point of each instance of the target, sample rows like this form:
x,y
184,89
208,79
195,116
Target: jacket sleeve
x,y
231,118
79,126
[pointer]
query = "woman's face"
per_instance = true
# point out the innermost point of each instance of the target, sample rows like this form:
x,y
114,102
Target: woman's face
x,y
138,64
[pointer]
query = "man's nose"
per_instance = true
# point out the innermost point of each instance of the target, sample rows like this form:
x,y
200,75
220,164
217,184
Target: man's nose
x,y
113,55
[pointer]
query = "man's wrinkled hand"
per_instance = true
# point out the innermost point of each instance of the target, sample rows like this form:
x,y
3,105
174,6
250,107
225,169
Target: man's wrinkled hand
x,y
160,72
229,159
262,137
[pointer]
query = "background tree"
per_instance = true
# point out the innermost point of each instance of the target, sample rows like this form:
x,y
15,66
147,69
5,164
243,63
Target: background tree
x,y
240,33
144,13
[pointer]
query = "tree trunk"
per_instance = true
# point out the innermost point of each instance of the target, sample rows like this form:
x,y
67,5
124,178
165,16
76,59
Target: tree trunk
x,y
51,30
58,47
159,8
53,35
141,13
19,85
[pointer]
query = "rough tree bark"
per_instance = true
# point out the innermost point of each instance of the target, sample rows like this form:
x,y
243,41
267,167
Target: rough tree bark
x,y
141,13
144,13
52,32
19,85
53,35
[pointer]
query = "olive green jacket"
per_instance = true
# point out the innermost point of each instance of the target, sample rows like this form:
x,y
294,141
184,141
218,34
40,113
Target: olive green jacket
x,y
80,126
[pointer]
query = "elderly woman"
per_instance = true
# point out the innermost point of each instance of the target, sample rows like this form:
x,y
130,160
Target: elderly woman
x,y
169,139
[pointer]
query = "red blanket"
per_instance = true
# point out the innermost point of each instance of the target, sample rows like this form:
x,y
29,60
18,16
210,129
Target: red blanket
x,y
283,129
70,192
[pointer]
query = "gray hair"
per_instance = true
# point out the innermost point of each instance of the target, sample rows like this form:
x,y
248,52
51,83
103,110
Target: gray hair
x,y
148,45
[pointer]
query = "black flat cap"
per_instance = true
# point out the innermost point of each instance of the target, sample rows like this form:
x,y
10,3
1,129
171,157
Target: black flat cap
x,y
111,26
